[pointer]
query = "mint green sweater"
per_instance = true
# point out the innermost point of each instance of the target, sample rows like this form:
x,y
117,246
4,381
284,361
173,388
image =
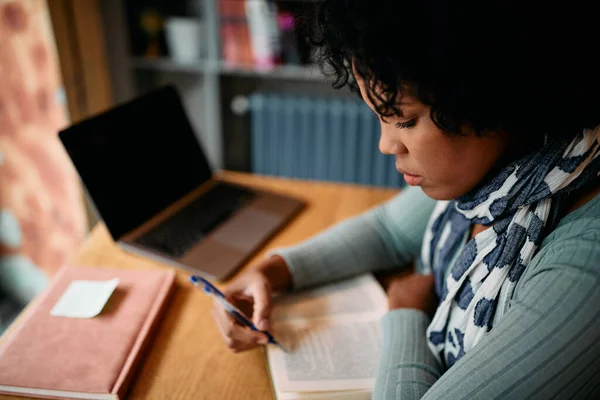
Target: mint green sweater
x,y
546,346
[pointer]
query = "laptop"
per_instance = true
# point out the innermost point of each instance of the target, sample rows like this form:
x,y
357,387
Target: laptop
x,y
152,185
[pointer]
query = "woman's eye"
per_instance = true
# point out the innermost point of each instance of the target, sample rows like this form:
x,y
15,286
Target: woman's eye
x,y
406,125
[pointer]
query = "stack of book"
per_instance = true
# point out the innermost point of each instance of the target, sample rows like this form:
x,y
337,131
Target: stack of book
x,y
258,33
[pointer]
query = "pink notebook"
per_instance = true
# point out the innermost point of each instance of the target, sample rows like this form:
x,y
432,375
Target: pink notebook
x,y
58,357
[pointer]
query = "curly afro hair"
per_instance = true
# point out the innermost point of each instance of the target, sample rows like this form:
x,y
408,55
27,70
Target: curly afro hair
x,y
483,66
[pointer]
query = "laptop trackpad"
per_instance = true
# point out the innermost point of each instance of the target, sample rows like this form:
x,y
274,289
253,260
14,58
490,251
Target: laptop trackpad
x,y
246,228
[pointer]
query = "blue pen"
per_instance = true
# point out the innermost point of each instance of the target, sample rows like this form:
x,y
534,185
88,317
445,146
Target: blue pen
x,y
216,294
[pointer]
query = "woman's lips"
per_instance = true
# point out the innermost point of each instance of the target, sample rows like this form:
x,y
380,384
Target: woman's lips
x,y
410,179
413,180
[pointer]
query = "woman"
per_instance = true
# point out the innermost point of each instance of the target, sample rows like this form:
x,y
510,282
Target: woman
x,y
492,113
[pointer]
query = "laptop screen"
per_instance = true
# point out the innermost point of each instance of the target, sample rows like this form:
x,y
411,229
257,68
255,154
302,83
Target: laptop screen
x,y
137,158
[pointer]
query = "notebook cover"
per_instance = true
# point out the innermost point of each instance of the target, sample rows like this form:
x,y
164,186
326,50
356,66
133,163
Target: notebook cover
x,y
96,355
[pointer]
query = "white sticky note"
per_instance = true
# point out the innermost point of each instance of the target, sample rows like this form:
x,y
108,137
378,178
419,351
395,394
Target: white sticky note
x,y
84,299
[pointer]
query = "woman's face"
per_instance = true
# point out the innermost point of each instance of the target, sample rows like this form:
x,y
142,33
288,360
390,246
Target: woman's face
x,y
445,167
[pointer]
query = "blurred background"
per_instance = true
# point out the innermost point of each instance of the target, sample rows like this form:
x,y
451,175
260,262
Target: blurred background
x,y
255,99
257,102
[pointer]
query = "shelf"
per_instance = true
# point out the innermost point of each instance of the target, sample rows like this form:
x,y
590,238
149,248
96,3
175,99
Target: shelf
x,y
169,65
285,72
293,72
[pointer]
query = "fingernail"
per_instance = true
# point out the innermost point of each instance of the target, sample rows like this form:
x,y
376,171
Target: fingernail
x,y
263,325
264,340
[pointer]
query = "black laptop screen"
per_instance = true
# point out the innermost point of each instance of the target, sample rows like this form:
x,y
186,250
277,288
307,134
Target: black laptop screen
x,y
137,158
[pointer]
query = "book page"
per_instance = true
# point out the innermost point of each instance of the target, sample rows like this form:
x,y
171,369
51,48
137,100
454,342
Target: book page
x,y
326,354
359,295
364,394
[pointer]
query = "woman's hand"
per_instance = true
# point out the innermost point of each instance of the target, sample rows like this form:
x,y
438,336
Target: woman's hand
x,y
411,290
252,293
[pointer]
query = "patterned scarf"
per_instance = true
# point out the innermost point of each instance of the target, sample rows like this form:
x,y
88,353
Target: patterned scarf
x,y
521,203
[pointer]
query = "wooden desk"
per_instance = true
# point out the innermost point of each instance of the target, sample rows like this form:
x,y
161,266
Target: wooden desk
x,y
187,359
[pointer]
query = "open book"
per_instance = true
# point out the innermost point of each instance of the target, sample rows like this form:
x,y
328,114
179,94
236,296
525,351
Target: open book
x,y
332,339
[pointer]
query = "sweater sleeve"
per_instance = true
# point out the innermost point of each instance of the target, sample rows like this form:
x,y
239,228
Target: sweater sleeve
x,y
384,237
546,346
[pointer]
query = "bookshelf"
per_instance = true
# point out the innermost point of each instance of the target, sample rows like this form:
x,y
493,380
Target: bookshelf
x,y
292,72
208,85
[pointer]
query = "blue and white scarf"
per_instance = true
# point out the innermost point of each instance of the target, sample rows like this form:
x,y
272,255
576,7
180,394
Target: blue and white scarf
x,y
521,202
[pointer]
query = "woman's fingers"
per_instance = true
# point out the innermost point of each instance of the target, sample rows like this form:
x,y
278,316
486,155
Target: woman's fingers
x,y
236,337
257,289
251,293
261,293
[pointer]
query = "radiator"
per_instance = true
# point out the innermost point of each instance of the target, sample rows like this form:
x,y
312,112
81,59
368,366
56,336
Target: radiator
x,y
318,138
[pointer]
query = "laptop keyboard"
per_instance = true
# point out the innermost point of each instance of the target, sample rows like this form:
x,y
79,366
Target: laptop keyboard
x,y
184,229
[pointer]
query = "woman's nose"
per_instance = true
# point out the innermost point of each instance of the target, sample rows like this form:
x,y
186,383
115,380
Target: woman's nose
x,y
390,145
